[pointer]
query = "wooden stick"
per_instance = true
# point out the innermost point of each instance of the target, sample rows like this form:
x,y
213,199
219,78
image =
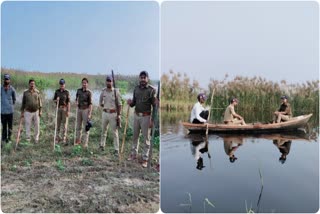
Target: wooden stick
x,y
75,125
56,124
18,135
155,123
124,133
211,101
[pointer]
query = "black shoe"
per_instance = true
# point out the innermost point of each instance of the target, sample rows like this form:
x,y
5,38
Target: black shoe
x,y
101,148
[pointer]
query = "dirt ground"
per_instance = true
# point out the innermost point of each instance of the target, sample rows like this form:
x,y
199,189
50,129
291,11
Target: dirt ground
x,y
96,183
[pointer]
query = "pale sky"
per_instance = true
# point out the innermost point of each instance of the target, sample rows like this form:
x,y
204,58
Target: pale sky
x,y
82,37
274,40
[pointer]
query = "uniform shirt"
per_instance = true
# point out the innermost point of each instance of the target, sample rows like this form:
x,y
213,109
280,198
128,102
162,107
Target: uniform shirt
x,y
107,98
8,99
64,97
143,98
84,98
31,100
286,108
195,113
228,114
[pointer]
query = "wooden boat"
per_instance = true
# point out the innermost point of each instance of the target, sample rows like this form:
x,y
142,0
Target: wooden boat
x,y
293,124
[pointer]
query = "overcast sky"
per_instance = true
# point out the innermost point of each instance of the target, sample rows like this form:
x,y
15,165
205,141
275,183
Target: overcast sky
x,y
81,37
274,40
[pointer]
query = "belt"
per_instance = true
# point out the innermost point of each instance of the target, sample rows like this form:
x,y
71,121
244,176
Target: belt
x,y
110,110
142,114
31,111
63,106
83,107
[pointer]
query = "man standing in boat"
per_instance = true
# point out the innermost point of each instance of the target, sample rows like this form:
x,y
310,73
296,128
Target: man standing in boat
x,y
284,113
198,113
230,116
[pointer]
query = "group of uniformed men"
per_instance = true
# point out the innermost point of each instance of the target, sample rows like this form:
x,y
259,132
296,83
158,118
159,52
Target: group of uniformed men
x,y
143,100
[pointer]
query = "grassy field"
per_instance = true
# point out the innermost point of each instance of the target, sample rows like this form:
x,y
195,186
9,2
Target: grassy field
x,y
71,179
20,78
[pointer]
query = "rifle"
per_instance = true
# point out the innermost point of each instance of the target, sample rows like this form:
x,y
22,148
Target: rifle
x,y
116,100
155,122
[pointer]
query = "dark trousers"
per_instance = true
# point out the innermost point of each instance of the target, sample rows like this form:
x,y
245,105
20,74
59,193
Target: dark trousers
x,y
203,114
6,120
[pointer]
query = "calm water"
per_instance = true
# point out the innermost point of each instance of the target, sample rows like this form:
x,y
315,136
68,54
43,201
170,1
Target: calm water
x,y
292,186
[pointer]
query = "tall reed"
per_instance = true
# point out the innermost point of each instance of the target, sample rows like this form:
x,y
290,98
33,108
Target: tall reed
x,y
258,97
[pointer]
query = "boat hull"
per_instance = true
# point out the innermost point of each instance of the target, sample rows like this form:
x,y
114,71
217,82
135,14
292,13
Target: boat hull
x,y
293,124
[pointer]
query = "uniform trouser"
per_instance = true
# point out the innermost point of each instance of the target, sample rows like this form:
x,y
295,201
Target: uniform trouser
x,y
141,123
82,119
6,120
109,119
281,117
28,118
62,119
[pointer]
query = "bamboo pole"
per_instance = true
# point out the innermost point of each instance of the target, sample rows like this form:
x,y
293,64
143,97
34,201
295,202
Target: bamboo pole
x,y
124,133
18,135
75,125
211,101
56,124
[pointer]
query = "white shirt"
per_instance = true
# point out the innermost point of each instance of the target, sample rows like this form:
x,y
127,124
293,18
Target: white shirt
x,y
195,112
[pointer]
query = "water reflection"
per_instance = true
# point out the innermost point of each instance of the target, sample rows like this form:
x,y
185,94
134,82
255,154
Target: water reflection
x,y
199,146
231,144
284,146
256,176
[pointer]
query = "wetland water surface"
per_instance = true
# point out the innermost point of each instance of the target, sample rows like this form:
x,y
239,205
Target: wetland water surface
x,y
196,172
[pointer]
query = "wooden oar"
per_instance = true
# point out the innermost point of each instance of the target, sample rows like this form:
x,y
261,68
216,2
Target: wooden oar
x,y
211,101
56,124
124,133
18,135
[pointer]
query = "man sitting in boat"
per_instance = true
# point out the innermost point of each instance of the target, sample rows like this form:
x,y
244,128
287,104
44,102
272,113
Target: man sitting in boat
x,y
230,116
198,112
284,113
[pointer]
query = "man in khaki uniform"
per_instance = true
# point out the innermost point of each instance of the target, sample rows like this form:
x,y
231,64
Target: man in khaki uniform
x,y
109,114
63,110
31,110
143,99
84,100
230,116
284,113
